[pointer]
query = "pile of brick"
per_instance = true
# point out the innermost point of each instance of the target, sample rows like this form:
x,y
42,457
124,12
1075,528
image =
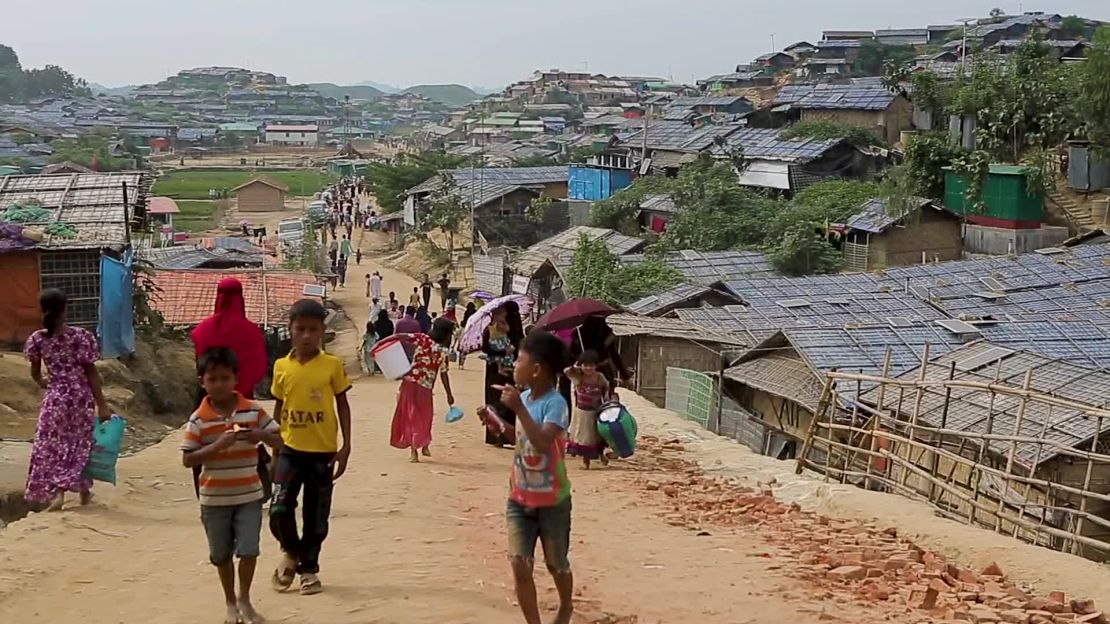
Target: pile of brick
x,y
874,566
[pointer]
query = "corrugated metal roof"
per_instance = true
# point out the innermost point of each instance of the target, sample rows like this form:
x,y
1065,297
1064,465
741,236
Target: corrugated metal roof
x,y
767,144
875,216
847,97
708,267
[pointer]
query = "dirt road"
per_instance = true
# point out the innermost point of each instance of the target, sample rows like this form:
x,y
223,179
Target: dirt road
x,y
409,543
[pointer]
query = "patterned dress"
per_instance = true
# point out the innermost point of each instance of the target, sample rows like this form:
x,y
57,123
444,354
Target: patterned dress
x,y
63,438
412,418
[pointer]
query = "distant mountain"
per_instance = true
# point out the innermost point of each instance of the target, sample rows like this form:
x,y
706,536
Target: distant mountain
x,y
384,88
357,92
99,89
484,91
449,94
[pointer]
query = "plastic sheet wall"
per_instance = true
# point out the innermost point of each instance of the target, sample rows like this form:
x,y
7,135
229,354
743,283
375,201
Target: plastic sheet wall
x,y
117,320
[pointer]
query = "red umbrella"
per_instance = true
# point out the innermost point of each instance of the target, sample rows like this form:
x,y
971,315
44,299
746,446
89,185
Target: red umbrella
x,y
572,314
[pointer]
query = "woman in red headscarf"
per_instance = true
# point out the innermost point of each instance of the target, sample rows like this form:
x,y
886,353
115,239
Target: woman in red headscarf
x,y
230,328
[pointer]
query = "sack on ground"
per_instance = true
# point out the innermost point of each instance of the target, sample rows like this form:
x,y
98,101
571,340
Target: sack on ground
x,y
618,428
107,442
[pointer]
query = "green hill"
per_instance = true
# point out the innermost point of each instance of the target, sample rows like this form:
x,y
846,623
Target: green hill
x,y
450,94
357,92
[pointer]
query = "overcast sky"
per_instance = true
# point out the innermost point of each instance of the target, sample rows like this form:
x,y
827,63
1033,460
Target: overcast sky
x,y
475,42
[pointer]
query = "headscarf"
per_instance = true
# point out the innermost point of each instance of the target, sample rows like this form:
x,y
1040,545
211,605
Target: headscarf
x,y
516,324
383,327
471,310
229,327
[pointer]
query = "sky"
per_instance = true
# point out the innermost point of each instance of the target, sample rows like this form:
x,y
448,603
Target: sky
x,y
488,43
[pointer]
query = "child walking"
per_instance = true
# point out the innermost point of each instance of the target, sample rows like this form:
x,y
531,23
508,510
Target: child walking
x,y
412,418
222,438
591,389
310,387
539,500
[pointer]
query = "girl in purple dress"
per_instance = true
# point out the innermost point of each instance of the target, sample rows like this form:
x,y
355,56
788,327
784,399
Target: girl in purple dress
x,y
63,438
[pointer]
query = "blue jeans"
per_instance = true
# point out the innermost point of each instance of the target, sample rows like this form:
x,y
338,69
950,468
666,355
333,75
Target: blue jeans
x,y
548,525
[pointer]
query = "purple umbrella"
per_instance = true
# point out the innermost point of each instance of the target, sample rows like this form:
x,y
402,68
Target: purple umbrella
x,y
471,340
483,296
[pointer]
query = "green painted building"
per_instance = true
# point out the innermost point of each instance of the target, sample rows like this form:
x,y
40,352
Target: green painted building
x,y
1007,202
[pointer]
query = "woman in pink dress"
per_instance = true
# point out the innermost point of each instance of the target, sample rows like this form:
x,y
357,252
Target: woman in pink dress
x,y
412,419
63,437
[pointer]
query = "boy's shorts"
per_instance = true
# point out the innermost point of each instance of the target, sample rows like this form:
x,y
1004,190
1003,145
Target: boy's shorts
x,y
232,530
549,525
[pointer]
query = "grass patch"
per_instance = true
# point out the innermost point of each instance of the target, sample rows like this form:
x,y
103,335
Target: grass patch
x,y
197,216
195,184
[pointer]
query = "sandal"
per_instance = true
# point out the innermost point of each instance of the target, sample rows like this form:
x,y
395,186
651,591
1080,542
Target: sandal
x,y
283,576
310,584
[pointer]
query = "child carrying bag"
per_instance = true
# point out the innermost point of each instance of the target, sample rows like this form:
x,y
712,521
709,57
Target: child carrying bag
x,y
107,441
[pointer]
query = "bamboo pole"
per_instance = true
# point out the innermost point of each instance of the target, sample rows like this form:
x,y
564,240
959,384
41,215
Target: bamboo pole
x,y
875,419
1036,461
822,405
1103,522
918,396
943,422
1086,486
995,471
983,443
1013,444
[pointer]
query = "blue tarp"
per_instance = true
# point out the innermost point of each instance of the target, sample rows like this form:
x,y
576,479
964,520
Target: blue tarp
x,y
117,322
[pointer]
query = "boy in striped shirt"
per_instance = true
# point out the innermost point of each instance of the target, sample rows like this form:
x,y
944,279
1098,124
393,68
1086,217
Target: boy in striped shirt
x,y
222,438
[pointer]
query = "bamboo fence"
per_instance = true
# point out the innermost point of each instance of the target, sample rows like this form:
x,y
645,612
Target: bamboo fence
x,y
963,474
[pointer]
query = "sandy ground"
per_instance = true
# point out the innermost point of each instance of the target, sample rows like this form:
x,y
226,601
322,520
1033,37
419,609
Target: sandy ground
x,y
414,543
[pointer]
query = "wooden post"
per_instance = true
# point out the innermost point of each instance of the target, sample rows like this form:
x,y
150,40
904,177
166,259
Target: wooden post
x,y
1013,448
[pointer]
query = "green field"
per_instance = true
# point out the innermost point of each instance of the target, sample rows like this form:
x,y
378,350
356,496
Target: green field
x,y
195,184
196,216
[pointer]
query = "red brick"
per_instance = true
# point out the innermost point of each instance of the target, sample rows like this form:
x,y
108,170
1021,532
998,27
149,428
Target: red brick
x,y
966,576
940,586
1014,616
1058,596
848,573
925,600
992,570
1093,618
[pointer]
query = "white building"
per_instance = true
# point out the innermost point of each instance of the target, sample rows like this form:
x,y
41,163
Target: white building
x,y
299,136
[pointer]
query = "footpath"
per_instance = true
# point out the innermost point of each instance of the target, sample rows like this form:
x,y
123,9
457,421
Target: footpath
x,y
693,529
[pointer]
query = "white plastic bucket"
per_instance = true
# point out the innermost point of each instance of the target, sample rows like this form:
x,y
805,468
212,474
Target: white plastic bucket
x,y
391,358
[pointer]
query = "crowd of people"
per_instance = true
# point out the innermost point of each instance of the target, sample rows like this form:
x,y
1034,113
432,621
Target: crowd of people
x,y
531,379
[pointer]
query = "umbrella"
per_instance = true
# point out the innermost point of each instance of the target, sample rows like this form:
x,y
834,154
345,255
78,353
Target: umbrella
x,y
572,314
471,339
482,296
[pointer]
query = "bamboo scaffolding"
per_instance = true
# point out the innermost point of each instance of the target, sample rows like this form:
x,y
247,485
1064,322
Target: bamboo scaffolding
x,y
1013,502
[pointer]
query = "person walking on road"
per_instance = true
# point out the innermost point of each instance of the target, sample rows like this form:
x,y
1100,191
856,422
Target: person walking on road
x,y
310,388
72,401
374,285
426,291
444,284
415,411
229,327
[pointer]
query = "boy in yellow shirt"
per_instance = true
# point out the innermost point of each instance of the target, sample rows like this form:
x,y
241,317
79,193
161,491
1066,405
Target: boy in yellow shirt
x,y
311,391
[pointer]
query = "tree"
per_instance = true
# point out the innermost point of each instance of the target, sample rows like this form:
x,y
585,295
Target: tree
x,y
997,13
389,182
619,211
446,210
597,274
926,157
17,84
1075,27
797,239
875,56
1092,101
